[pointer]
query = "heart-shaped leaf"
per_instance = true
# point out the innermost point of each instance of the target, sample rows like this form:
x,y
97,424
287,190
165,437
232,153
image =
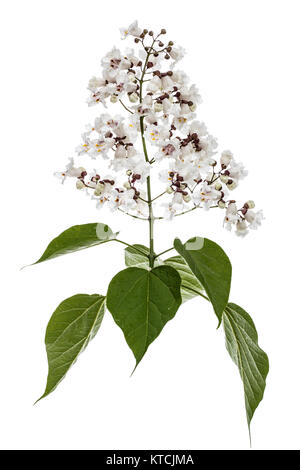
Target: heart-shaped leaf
x,y
212,268
190,285
77,238
141,302
73,324
252,361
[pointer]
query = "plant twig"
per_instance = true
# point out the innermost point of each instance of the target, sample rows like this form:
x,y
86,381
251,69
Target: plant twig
x,y
131,215
127,109
163,252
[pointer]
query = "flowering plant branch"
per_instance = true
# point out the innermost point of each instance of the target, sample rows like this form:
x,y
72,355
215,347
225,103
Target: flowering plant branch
x,y
142,298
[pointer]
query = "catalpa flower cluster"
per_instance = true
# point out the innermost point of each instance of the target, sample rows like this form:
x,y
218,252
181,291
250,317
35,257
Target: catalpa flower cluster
x,y
160,138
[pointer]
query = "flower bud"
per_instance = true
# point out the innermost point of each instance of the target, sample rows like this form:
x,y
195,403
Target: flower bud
x,y
218,186
100,187
187,198
193,108
133,97
79,184
131,77
127,185
222,204
224,178
158,107
231,185
250,204
129,172
113,99
169,190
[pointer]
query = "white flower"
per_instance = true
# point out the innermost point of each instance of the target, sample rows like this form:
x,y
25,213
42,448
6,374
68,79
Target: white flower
x,y
180,78
190,94
96,82
206,195
169,148
121,151
231,216
157,134
97,97
132,30
184,157
177,53
130,55
70,170
138,166
254,218
127,200
141,208
180,122
241,228
154,85
169,211
237,171
226,157
176,205
198,127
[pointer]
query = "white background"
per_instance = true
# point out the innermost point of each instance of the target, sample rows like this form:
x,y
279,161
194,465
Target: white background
x,y
186,393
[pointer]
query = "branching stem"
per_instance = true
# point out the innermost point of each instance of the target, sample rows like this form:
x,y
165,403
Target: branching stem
x,y
131,215
149,201
127,244
150,209
127,109
163,252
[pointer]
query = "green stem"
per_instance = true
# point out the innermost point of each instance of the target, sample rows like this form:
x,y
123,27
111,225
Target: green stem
x,y
151,225
127,109
189,210
163,252
154,199
131,215
151,217
186,212
127,244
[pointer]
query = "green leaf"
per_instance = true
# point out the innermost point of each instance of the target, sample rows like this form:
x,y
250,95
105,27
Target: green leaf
x,y
77,238
190,286
134,258
73,324
212,268
242,345
141,302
